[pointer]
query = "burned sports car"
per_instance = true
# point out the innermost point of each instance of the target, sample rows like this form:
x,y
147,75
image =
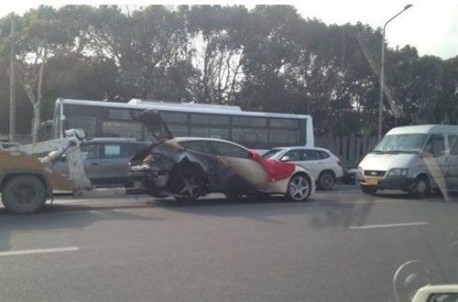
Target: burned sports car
x,y
188,168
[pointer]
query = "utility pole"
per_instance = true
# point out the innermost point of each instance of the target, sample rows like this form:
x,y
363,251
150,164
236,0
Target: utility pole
x,y
382,74
12,82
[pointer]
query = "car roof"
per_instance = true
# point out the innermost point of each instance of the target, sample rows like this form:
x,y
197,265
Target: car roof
x,y
207,139
301,148
115,140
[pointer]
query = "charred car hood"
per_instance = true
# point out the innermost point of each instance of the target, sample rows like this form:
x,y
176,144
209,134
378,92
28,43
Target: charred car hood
x,y
155,125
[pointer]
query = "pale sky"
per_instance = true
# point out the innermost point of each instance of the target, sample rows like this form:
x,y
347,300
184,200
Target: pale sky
x,y
429,25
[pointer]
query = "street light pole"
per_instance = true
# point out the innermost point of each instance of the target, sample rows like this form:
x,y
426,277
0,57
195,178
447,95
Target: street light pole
x,y
382,73
12,136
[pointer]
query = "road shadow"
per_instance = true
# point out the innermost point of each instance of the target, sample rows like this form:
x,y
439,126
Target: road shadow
x,y
322,211
342,216
58,217
434,196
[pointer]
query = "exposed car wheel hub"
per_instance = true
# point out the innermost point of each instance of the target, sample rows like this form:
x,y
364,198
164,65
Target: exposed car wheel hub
x,y
190,187
187,184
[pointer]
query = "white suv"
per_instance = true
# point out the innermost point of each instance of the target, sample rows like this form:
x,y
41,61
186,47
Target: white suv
x,y
321,163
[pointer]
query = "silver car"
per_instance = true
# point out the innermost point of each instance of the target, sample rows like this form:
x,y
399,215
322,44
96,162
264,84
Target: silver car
x,y
105,160
322,164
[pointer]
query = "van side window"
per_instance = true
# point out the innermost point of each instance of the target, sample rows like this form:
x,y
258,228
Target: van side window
x,y
453,143
435,145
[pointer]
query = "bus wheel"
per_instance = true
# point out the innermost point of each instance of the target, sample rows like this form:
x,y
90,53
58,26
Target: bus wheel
x,y
24,194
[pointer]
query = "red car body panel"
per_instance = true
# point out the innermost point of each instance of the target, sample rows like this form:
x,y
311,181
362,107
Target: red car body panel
x,y
276,170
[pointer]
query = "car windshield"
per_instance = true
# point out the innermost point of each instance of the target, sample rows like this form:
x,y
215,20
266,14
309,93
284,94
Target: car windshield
x,y
401,143
271,153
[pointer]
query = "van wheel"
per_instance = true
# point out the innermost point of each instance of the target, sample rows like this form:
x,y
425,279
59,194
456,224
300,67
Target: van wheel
x,y
370,190
420,187
326,181
24,194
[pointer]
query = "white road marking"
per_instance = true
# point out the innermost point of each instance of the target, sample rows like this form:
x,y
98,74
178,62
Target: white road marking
x,y
39,251
392,225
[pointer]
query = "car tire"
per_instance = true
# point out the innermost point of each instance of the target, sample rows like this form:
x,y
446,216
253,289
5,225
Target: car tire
x,y
369,190
299,187
188,184
326,180
24,194
420,187
233,196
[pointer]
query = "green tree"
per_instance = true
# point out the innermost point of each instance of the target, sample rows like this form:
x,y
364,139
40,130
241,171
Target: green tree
x,y
216,42
40,36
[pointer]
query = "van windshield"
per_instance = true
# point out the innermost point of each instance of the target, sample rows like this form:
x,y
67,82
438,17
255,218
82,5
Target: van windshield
x,y
401,143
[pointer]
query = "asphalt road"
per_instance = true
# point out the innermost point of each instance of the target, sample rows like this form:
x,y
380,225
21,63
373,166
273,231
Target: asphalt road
x,y
339,246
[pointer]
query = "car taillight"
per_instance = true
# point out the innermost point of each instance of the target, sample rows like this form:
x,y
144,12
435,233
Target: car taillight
x,y
338,162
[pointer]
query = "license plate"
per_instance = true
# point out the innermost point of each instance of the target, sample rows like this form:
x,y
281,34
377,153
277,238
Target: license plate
x,y
371,181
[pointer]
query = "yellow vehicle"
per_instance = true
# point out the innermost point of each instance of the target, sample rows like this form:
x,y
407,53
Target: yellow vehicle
x,y
26,182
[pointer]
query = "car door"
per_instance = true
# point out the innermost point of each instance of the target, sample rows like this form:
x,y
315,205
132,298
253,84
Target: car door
x,y
113,164
309,159
438,163
91,153
237,171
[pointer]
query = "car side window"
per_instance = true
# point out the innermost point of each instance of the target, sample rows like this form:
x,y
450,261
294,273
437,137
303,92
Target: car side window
x,y
311,155
324,155
112,151
200,146
226,149
294,155
90,151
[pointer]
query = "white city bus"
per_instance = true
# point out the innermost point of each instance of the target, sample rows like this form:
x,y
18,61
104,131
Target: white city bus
x,y
256,130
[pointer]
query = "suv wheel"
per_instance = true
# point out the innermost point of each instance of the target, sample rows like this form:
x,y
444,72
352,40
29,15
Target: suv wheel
x,y
326,180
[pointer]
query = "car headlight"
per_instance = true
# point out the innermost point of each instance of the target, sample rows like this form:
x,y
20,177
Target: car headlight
x,y
398,172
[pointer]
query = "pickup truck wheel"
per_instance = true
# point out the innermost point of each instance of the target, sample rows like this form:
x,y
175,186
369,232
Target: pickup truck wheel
x,y
24,194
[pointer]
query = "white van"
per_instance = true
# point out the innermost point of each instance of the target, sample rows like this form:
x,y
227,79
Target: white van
x,y
415,159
